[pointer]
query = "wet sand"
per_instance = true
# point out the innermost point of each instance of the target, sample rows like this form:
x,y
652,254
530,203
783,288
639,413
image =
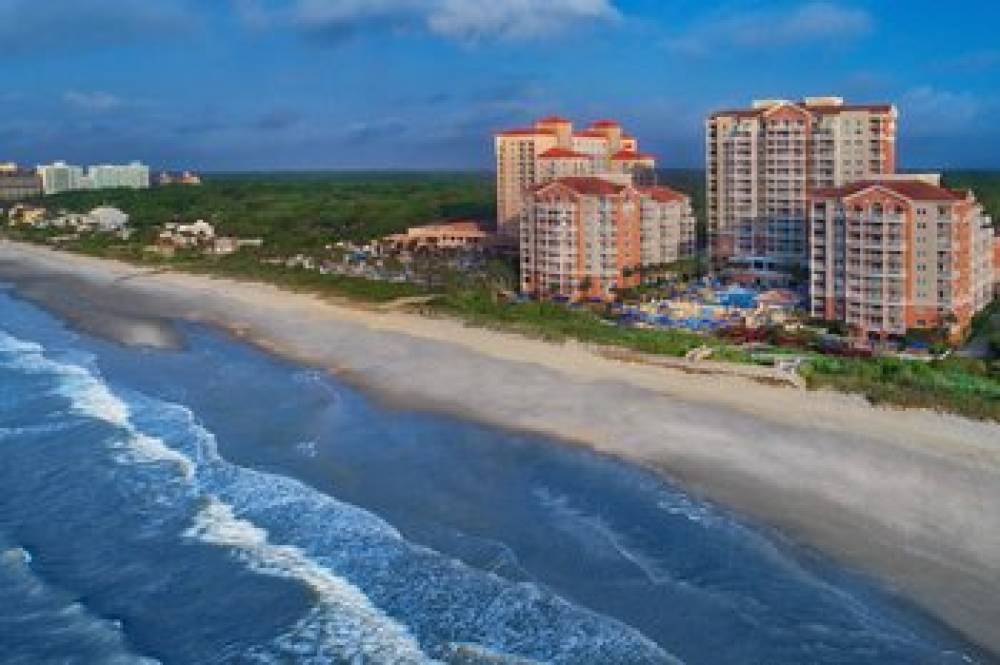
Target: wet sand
x,y
910,496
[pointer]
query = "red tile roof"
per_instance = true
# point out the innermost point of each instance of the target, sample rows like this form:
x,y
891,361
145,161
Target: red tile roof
x,y
663,194
562,153
456,225
527,131
587,185
553,119
631,156
826,109
915,190
874,108
604,124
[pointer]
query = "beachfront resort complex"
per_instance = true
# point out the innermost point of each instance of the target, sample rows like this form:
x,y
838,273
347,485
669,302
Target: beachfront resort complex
x,y
800,194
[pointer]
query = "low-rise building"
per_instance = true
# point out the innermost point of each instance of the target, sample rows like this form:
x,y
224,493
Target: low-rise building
x,y
186,236
225,245
103,219
899,253
200,236
17,184
182,178
108,219
28,215
454,234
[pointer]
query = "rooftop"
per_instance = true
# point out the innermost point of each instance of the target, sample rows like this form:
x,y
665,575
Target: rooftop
x,y
587,185
663,194
525,131
915,190
562,153
811,106
631,156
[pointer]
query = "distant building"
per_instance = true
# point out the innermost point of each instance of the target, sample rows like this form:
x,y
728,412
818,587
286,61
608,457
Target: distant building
x,y
109,219
104,219
899,253
17,184
182,178
454,234
187,235
198,236
225,245
551,149
761,162
23,213
113,176
62,177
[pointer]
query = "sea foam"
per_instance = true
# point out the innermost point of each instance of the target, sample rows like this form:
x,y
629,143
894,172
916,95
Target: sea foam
x,y
278,526
349,626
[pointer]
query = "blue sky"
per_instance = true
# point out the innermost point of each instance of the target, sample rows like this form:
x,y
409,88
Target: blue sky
x,y
261,84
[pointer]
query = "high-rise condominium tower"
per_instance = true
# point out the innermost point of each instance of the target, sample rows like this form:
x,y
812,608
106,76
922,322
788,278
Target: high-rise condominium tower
x,y
899,253
551,149
762,161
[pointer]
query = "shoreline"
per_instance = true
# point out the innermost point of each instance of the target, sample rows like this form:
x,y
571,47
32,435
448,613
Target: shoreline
x,y
909,496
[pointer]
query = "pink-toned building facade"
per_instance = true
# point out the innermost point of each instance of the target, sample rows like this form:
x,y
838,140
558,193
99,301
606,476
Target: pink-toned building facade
x,y
580,238
900,253
762,161
552,148
586,236
667,226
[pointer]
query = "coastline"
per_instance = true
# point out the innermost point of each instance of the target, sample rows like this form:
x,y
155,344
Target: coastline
x,y
906,495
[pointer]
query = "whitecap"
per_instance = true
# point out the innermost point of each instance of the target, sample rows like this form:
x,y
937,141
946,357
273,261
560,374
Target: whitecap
x,y
344,623
357,564
89,396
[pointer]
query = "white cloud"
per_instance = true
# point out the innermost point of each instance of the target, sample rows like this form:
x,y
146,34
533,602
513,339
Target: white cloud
x,y
467,21
93,100
473,20
809,23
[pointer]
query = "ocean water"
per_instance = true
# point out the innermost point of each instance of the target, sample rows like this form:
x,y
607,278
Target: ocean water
x,y
218,505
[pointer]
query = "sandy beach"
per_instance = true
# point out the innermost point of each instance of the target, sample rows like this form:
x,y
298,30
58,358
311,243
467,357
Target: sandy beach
x,y
909,496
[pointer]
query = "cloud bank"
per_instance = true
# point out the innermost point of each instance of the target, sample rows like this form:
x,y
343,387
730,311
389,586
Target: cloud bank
x,y
811,23
63,25
466,21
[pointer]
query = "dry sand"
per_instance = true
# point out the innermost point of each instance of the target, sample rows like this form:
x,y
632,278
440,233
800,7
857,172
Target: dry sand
x,y
911,496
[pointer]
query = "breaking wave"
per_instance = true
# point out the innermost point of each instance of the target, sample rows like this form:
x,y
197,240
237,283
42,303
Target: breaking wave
x,y
378,597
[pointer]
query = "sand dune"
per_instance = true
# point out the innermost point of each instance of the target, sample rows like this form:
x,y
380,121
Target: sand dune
x,y
909,495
